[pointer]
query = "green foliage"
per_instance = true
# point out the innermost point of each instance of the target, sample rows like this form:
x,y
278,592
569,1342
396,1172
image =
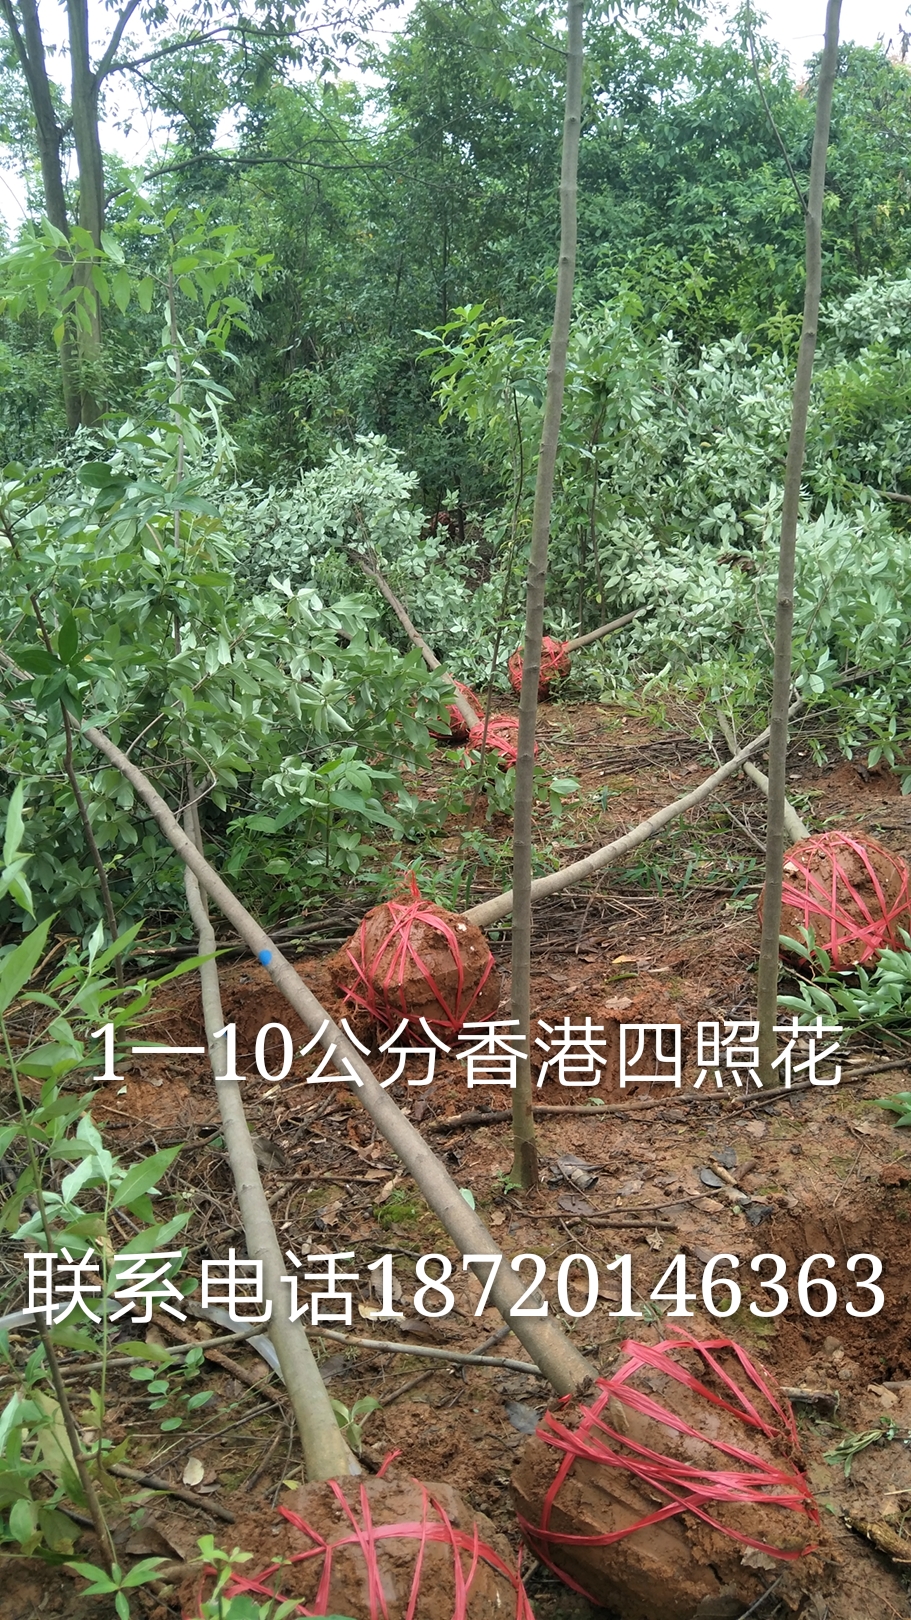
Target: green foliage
x,y
876,999
70,1214
286,725
351,1420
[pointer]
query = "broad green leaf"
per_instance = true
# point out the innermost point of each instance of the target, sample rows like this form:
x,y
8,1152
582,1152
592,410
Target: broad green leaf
x,y
23,1519
17,968
141,1177
121,287
145,292
68,640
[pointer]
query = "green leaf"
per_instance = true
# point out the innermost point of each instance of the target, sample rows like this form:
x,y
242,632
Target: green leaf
x,y
140,1177
145,292
68,640
468,1196
96,474
13,835
142,1572
121,287
23,1519
17,968
112,247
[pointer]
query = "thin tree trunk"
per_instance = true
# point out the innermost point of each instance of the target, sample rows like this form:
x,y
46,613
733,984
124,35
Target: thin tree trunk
x,y
326,1455
603,630
542,1337
28,44
84,103
525,1164
784,616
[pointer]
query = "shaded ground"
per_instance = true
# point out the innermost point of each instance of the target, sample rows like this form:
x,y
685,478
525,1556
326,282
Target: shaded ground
x,y
670,938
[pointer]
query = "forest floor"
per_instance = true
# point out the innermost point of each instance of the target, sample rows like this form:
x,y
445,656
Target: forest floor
x,y
671,938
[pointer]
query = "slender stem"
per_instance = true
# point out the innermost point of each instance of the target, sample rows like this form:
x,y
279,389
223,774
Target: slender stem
x,y
525,1163
99,1522
767,994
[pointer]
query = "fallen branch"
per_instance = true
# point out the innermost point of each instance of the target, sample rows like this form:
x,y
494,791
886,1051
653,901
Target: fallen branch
x,y
605,630
542,1337
498,1116
880,1536
153,1482
794,827
491,911
326,1455
414,636
462,1358
419,1378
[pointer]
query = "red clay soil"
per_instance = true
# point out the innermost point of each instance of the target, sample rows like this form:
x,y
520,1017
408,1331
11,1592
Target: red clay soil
x,y
467,1574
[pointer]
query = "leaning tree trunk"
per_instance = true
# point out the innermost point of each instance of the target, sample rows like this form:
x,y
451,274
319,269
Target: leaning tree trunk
x,y
784,613
525,1164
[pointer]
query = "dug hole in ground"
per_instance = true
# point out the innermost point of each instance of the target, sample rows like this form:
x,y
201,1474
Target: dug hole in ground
x,y
667,940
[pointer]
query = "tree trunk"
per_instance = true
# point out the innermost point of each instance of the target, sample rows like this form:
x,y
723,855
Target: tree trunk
x,y
28,43
525,1164
784,615
84,103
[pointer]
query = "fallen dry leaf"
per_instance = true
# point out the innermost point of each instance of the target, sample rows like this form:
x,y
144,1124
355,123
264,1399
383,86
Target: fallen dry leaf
x,y
194,1471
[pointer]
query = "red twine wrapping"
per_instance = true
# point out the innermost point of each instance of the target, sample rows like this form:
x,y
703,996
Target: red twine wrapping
x,y
555,666
502,738
367,1535
459,728
848,925
381,968
687,1489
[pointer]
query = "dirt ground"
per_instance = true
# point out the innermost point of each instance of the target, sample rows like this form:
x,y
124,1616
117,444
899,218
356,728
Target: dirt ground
x,y
669,938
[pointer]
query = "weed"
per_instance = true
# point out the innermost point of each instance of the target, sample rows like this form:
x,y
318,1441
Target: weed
x,y
400,1208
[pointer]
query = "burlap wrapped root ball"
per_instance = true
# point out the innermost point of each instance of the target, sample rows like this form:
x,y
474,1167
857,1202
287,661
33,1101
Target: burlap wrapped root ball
x,y
848,891
459,729
500,739
381,1550
412,959
675,1491
555,666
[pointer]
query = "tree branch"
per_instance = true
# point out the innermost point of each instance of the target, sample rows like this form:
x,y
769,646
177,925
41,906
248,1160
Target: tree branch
x,y
105,65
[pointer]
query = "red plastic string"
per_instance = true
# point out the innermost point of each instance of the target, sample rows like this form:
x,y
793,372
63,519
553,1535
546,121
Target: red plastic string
x,y
384,997
458,726
502,738
555,666
367,1535
687,1488
823,895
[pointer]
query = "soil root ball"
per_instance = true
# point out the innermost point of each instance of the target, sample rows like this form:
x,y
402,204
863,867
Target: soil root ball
x,y
459,729
502,739
555,666
410,959
676,1492
849,892
384,1550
